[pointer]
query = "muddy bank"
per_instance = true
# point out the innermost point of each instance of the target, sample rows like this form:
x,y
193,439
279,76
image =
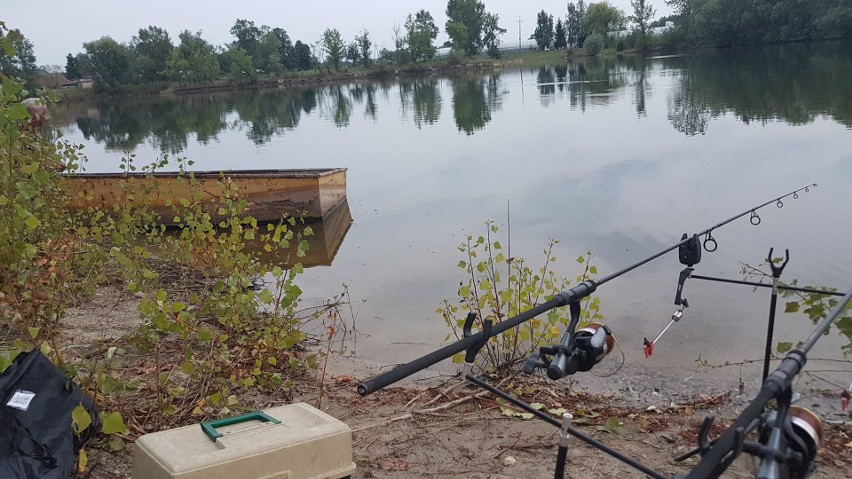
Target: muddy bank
x,y
434,425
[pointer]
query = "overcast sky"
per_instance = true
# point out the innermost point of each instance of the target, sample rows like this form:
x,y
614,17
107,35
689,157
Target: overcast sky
x,y
57,28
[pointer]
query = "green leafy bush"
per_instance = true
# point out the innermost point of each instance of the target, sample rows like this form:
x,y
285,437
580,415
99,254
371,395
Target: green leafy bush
x,y
594,44
815,306
455,57
499,286
218,323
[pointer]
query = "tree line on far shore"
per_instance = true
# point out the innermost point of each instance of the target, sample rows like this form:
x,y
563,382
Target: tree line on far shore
x,y
153,57
694,23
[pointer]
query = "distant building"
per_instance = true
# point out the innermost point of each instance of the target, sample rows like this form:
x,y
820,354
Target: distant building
x,y
660,30
656,31
53,81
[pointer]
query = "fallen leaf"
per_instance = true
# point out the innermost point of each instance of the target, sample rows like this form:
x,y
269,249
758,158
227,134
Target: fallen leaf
x,y
82,461
507,411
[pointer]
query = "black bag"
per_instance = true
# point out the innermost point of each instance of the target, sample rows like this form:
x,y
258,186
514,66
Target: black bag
x,y
36,437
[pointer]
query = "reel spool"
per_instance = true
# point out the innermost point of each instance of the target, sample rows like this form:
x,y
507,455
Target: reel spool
x,y
597,340
808,427
804,435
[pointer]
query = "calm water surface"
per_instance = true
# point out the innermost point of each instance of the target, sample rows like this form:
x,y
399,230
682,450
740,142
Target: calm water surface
x,y
615,156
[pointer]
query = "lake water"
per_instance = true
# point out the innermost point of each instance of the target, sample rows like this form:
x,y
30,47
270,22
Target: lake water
x,y
617,156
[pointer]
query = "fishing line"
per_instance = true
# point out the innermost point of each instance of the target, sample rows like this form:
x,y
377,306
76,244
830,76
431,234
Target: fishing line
x,y
623,361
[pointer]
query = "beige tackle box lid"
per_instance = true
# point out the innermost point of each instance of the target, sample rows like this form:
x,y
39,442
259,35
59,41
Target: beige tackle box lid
x,y
296,441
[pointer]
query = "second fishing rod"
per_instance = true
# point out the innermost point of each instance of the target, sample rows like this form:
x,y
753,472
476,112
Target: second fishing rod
x,y
689,251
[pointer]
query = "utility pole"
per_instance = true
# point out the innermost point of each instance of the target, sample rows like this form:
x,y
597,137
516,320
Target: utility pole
x,y
519,33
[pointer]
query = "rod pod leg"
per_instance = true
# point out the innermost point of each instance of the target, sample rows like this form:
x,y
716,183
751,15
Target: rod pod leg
x,y
776,274
562,454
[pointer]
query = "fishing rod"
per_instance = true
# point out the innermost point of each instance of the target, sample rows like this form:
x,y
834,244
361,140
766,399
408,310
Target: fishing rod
x,y
568,357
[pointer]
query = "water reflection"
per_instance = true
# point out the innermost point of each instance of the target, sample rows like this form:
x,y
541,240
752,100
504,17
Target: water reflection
x,y
546,79
791,83
641,88
424,98
474,100
561,72
365,95
601,159
688,113
323,245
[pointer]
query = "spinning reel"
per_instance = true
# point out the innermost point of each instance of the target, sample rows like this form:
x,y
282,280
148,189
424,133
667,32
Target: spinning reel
x,y
801,434
578,351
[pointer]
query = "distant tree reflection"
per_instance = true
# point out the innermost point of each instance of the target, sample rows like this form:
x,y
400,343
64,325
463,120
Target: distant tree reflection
x,y
545,82
474,99
794,83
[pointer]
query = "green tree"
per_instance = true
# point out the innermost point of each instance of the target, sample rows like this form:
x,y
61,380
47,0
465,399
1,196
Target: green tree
x,y
333,47
560,36
543,34
72,69
194,59
21,64
594,44
287,51
643,14
387,55
465,20
302,56
153,47
364,45
110,62
248,35
491,32
268,55
237,63
400,53
576,32
603,18
681,7
421,32
353,53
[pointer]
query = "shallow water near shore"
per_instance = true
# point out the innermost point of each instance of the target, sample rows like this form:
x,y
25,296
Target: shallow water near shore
x,y
616,156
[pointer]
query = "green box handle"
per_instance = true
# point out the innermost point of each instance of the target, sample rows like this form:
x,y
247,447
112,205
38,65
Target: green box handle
x,y
209,427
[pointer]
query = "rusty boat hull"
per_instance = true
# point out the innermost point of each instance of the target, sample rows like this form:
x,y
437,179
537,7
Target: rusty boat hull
x,y
311,193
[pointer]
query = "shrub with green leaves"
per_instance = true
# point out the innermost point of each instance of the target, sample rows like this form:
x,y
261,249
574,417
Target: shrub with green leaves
x,y
233,319
499,286
594,44
217,323
815,306
38,267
